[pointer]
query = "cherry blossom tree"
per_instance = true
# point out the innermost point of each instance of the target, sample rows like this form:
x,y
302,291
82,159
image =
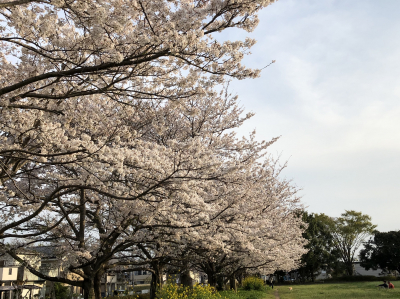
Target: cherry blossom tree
x,y
253,227
57,55
113,139
123,51
260,232
69,48
172,175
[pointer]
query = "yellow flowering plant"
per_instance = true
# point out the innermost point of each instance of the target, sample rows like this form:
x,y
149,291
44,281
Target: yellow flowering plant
x,y
253,283
174,291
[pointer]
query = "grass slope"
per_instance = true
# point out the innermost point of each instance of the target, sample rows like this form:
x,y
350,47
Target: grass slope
x,y
347,290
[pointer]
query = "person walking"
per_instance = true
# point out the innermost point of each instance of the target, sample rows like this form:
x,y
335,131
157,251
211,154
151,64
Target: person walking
x,y
271,281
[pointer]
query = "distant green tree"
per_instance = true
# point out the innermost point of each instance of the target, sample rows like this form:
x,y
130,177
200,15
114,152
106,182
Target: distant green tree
x,y
322,254
382,251
349,232
61,292
338,268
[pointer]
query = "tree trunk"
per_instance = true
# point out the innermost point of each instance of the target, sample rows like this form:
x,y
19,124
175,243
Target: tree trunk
x,y
88,289
220,283
312,275
211,277
97,285
349,268
186,280
156,279
240,277
232,282
52,291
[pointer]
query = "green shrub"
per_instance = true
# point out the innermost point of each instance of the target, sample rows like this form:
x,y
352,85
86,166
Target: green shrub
x,y
61,291
253,283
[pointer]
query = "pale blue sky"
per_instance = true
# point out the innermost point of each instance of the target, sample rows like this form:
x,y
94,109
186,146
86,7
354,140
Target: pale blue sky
x,y
333,95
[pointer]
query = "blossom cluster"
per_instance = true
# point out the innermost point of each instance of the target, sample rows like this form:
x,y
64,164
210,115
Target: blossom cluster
x,y
117,143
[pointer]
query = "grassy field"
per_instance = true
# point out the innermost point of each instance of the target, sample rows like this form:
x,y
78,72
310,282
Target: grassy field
x,y
242,294
346,290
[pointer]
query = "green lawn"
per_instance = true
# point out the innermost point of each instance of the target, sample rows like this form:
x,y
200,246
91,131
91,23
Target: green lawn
x,y
346,290
242,294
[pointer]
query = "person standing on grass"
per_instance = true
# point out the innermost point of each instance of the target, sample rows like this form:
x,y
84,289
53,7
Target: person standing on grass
x,y
383,285
391,286
271,281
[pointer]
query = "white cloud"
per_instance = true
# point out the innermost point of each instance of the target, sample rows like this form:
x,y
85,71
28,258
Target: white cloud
x,y
333,95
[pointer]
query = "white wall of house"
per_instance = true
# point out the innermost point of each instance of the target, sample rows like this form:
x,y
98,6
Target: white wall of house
x,y
8,273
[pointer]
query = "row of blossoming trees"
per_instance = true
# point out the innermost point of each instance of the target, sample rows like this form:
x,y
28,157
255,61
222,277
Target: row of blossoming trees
x,y
117,143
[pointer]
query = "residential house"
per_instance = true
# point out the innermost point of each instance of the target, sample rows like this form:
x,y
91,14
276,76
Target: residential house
x,y
15,280
8,275
141,277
